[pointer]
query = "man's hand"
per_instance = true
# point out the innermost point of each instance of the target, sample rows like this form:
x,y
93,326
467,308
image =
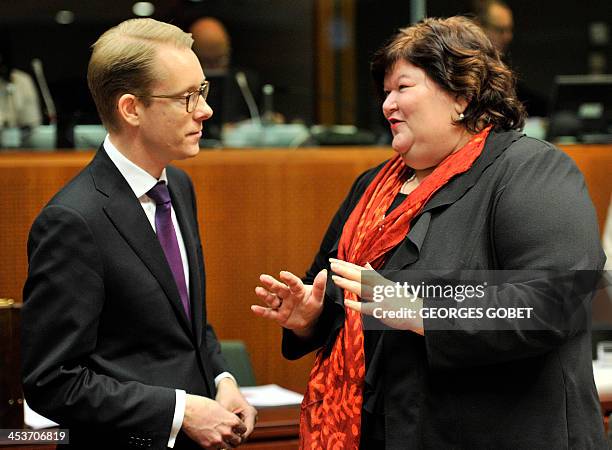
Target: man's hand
x,y
210,424
230,397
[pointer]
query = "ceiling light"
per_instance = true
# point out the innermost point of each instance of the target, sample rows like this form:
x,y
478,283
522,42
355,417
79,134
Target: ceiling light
x,y
143,9
64,17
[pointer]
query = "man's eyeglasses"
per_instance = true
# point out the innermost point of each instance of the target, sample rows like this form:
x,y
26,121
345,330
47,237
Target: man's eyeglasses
x,y
191,98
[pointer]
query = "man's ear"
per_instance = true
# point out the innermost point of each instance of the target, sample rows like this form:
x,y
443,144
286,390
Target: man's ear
x,y
128,110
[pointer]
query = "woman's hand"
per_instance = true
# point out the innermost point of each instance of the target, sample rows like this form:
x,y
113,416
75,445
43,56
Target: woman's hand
x,y
291,303
386,308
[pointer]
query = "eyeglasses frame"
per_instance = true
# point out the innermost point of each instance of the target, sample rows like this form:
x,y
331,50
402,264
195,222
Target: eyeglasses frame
x,y
201,91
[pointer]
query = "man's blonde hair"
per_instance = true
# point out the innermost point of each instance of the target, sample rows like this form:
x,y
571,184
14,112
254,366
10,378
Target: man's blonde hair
x,y
123,62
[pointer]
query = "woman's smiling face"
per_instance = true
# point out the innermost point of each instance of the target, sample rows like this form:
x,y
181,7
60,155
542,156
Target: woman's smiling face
x,y
421,116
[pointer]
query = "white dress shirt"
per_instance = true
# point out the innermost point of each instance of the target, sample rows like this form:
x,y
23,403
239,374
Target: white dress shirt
x,y
141,182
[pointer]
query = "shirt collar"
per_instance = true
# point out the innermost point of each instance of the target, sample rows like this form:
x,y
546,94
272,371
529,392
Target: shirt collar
x,y
139,179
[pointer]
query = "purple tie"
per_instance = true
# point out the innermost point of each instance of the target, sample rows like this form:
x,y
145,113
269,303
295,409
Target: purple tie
x,y
167,238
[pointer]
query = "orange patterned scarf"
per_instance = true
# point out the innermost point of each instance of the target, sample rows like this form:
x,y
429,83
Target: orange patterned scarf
x,y
331,410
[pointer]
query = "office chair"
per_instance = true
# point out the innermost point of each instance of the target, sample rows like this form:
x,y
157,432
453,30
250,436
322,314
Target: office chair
x,y
239,361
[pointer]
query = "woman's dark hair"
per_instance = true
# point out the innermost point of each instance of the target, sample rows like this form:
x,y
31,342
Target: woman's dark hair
x,y
458,56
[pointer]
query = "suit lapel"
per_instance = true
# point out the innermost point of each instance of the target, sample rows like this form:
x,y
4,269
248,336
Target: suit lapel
x,y
408,251
496,144
186,221
125,212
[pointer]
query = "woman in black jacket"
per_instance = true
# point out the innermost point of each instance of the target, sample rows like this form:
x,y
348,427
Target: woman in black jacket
x,y
497,357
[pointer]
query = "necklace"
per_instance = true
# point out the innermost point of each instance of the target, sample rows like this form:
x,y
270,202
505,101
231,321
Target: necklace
x,y
407,182
410,178
403,188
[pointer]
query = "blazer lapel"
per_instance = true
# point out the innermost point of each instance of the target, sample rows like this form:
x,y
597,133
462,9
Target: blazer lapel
x,y
181,208
408,250
126,214
496,144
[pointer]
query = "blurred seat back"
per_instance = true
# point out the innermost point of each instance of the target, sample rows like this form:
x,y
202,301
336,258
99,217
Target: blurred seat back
x,y
42,137
88,136
239,361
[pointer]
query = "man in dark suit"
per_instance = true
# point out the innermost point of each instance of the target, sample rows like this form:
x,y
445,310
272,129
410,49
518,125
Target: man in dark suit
x,y
212,45
116,346
497,21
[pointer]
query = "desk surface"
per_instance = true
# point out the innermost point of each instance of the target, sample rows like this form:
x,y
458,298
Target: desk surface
x,y
276,423
603,381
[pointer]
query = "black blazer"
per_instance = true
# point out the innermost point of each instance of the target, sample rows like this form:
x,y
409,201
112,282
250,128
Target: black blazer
x,y
105,339
523,205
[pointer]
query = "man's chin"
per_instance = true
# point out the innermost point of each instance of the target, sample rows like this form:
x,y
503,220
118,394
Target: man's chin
x,y
194,148
189,151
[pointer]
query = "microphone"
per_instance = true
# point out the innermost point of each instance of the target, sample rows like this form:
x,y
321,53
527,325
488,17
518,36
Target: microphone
x,y
44,89
248,97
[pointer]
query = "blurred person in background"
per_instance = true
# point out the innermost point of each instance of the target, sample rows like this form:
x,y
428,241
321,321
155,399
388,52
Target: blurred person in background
x,y
496,19
19,102
212,46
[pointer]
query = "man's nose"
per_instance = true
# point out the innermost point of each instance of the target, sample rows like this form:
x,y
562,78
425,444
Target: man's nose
x,y
203,111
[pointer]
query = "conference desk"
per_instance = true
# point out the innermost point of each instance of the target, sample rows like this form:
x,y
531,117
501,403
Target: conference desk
x,y
276,429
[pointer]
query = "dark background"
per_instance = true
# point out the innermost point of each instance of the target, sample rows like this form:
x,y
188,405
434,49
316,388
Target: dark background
x,y
277,39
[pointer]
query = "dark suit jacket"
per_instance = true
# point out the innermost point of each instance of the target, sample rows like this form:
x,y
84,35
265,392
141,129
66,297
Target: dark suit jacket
x,y
105,338
523,205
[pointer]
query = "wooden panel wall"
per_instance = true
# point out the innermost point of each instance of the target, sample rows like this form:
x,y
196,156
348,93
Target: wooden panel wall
x,y
260,211
27,182
335,62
